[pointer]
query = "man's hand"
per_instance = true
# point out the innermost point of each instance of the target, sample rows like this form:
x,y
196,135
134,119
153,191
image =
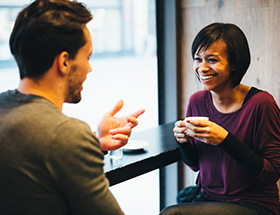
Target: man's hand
x,y
113,132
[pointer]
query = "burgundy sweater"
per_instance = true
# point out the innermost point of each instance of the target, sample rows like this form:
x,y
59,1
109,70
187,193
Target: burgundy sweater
x,y
246,165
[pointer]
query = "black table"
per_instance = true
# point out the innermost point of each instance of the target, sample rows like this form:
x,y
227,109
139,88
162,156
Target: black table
x,y
161,151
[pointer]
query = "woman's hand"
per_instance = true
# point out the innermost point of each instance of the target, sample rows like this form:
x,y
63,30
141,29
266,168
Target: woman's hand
x,y
205,131
180,132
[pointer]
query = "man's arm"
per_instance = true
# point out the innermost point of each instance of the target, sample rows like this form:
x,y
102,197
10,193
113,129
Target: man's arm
x,y
75,161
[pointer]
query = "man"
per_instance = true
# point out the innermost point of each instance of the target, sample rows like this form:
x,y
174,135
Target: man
x,y
50,163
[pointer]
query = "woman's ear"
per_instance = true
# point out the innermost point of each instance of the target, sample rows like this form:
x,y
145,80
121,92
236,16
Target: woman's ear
x,y
64,63
232,68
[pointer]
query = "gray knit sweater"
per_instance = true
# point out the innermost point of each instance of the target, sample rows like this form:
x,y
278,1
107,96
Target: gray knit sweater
x,y
49,163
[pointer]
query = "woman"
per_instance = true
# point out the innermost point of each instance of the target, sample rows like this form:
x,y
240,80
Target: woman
x,y
237,152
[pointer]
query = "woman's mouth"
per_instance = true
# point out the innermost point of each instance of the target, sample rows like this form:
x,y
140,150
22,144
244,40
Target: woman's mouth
x,y
206,77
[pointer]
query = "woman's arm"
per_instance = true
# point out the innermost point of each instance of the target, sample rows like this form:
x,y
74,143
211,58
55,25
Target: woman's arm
x,y
189,155
249,160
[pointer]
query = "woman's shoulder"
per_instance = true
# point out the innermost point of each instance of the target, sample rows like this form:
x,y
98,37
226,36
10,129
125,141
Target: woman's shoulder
x,y
262,97
263,101
199,95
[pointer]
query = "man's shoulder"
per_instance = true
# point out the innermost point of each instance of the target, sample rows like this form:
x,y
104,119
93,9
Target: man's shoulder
x,y
5,95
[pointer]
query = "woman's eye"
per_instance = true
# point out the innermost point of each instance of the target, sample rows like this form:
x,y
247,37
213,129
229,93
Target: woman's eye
x,y
212,60
197,59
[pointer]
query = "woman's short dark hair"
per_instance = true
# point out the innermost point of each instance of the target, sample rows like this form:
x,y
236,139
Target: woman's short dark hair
x,y
237,46
43,30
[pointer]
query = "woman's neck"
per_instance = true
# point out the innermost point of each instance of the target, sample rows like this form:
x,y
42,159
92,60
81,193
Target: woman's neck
x,y
231,99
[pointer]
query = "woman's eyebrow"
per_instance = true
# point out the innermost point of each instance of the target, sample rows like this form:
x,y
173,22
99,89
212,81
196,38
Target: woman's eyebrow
x,y
208,55
211,55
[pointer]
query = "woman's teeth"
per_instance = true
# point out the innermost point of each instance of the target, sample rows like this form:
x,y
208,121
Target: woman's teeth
x,y
204,78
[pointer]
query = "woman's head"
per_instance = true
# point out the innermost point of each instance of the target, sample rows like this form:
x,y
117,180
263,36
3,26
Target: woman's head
x,y
237,46
43,30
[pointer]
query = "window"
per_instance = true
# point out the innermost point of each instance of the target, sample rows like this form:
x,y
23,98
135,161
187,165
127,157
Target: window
x,y
124,66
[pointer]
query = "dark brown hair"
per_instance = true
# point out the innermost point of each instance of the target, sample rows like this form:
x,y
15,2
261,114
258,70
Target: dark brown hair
x,y
43,30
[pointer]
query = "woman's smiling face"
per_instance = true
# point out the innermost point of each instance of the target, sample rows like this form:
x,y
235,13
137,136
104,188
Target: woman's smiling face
x,y
212,66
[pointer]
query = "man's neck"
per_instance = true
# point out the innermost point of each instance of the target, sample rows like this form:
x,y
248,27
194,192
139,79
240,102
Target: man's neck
x,y
35,87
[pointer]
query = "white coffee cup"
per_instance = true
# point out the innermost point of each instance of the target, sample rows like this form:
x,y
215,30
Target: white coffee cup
x,y
200,118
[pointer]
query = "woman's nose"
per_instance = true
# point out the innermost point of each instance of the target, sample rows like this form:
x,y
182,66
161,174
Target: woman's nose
x,y
203,67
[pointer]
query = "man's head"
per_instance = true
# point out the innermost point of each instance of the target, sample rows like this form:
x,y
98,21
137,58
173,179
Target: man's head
x,y
43,30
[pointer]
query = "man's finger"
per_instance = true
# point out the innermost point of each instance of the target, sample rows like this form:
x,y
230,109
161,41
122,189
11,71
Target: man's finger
x,y
138,113
116,108
124,130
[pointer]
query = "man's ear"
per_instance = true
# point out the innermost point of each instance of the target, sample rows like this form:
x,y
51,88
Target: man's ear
x,y
64,62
